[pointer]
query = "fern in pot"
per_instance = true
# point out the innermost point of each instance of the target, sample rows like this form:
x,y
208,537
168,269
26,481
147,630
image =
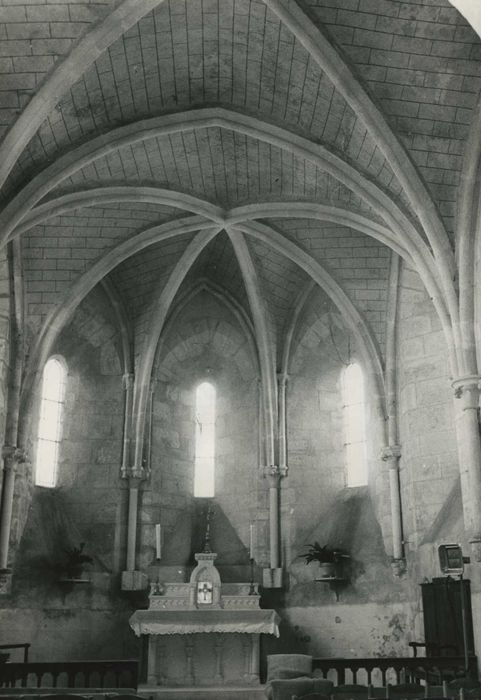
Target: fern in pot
x,y
326,557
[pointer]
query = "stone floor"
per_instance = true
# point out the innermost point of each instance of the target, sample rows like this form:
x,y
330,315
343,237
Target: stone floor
x,y
204,693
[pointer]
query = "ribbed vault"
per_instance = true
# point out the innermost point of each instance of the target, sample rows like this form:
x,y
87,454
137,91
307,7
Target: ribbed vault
x,y
255,146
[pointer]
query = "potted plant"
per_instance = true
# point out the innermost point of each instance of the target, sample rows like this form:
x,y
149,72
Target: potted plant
x,y
325,556
74,563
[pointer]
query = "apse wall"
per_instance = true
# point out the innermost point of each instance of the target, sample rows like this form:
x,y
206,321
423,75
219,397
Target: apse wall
x,y
64,620
429,465
373,615
205,342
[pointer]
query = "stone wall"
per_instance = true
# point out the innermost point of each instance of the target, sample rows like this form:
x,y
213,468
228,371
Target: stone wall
x,y
323,508
206,344
65,620
205,340
429,463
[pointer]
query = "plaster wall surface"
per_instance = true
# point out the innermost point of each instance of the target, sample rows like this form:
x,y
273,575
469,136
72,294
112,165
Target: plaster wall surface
x,y
429,462
65,620
206,344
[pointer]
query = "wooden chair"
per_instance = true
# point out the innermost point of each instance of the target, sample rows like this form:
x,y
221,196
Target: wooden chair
x,y
350,692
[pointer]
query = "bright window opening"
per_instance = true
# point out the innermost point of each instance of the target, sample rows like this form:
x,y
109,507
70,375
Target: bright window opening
x,y
354,425
204,468
50,423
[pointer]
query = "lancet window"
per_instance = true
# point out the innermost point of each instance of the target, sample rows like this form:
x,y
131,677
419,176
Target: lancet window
x,y
352,383
204,465
50,421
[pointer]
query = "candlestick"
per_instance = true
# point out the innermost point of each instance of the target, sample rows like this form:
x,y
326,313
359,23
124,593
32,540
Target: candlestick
x,y
158,541
251,541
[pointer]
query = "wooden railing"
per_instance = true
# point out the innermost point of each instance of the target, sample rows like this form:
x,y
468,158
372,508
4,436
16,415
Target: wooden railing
x,y
383,670
25,648
71,674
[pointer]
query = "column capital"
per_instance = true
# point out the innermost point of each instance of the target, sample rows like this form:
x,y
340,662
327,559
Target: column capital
x,y
282,377
134,473
390,452
275,472
128,380
13,456
467,388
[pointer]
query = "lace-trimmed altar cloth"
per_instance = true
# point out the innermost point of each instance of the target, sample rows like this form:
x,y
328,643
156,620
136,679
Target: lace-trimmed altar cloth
x,y
202,621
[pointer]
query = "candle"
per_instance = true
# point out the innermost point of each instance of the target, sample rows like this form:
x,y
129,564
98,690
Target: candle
x,y
251,541
158,541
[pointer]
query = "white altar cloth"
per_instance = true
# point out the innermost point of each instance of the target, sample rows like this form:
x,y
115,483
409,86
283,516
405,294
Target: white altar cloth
x,y
202,621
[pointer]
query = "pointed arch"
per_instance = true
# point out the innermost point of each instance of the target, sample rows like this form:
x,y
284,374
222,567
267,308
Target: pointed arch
x,y
331,62
367,343
225,298
161,307
123,324
263,340
57,318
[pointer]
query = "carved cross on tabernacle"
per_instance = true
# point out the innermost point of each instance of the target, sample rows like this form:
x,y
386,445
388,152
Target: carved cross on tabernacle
x,y
205,593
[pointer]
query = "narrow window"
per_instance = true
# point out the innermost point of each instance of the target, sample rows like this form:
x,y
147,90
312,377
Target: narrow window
x,y
50,423
354,425
204,468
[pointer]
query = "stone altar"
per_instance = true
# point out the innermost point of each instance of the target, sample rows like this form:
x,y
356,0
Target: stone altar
x,y
204,632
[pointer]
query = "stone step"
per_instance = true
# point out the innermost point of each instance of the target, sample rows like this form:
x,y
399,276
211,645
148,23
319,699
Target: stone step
x,y
202,693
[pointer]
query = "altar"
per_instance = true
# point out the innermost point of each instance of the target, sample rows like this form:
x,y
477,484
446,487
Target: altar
x,y
204,632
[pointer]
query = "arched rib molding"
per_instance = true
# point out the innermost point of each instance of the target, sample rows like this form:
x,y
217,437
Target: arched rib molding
x,y
303,148
123,324
468,228
157,195
57,318
226,299
125,15
323,212
160,310
101,196
345,217
265,348
292,325
426,268
367,343
331,62
383,205
134,193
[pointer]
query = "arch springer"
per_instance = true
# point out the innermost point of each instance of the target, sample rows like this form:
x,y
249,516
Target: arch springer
x,y
390,452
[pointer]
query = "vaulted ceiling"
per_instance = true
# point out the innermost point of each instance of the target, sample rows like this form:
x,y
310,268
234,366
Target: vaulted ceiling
x,y
307,140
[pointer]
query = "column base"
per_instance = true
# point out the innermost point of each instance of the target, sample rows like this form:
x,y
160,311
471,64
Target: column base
x,y
398,567
5,582
272,578
134,581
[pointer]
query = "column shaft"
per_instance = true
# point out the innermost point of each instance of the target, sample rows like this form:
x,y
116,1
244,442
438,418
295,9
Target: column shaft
x,y
469,450
6,515
12,457
132,523
274,521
